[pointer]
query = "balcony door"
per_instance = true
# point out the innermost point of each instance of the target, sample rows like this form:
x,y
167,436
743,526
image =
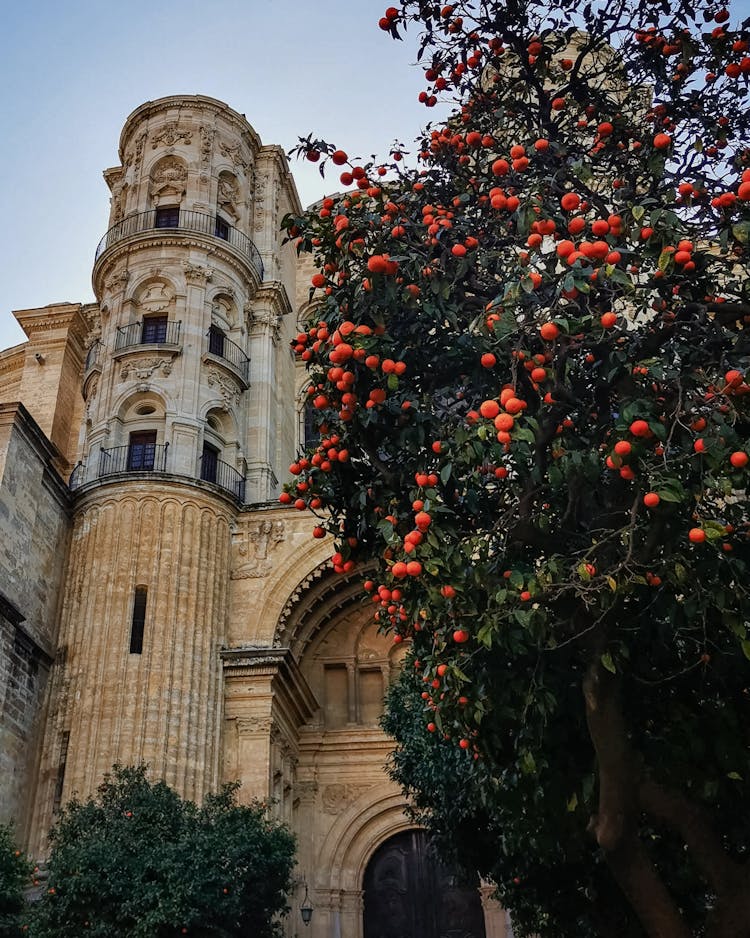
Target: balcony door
x,y
154,330
142,451
209,463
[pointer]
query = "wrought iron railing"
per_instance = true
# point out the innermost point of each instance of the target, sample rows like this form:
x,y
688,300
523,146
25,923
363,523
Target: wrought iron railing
x,y
77,476
93,356
143,457
222,347
223,475
141,333
182,220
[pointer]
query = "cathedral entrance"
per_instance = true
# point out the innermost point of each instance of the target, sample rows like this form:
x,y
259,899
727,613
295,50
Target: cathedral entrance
x,y
408,893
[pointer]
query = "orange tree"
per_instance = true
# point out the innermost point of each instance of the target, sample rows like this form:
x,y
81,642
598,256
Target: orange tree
x,y
528,362
140,862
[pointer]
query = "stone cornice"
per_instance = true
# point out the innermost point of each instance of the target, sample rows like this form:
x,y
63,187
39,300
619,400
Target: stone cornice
x,y
12,359
239,262
68,316
192,104
280,665
273,294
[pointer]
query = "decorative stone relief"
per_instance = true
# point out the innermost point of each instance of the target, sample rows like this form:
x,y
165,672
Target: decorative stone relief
x,y
117,281
228,195
263,321
196,274
168,179
156,298
229,391
135,156
232,151
169,135
337,798
92,387
251,546
207,144
143,368
259,196
254,725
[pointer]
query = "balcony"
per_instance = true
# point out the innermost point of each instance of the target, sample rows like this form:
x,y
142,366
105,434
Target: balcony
x,y
228,353
182,221
93,357
156,330
152,457
222,474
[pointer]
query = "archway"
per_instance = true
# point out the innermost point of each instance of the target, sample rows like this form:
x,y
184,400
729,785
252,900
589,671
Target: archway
x,y
409,893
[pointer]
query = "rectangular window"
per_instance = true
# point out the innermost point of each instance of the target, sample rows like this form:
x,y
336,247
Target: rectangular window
x,y
142,451
167,217
209,463
139,620
222,229
154,330
216,341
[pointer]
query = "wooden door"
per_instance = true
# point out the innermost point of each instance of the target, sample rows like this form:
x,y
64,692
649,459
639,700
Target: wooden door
x,y
409,894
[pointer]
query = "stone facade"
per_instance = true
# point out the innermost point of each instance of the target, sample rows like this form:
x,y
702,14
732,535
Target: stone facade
x,y
156,604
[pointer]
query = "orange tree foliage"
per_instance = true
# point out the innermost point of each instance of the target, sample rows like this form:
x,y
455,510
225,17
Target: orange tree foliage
x,y
528,361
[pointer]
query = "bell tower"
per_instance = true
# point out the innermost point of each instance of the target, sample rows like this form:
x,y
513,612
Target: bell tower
x,y
189,420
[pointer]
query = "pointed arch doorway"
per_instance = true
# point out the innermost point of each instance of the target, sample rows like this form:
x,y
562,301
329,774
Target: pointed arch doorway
x,y
408,893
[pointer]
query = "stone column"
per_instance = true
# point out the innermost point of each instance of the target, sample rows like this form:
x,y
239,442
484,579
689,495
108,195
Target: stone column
x,y
264,314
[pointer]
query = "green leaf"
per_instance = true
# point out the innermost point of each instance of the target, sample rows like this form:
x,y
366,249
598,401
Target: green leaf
x,y
741,231
445,472
572,802
608,663
638,212
392,382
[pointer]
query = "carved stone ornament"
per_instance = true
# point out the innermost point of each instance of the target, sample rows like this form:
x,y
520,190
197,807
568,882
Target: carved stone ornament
x,y
117,281
228,195
228,389
262,322
254,725
251,546
135,156
143,368
157,298
337,798
169,178
232,152
169,135
196,274
259,196
207,144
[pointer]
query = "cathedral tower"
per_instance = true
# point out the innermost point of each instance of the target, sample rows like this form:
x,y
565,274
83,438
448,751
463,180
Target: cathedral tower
x,y
186,383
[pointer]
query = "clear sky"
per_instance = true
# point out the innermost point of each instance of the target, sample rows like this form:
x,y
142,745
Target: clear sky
x,y
72,70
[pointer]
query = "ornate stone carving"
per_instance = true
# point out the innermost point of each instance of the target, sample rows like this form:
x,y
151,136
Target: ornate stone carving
x,y
206,148
196,274
117,281
254,725
263,321
169,135
228,389
228,195
232,151
168,179
259,196
251,546
337,798
135,156
143,368
156,298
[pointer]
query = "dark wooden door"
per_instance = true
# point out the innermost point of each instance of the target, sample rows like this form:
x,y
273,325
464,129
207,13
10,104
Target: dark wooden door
x,y
142,451
409,894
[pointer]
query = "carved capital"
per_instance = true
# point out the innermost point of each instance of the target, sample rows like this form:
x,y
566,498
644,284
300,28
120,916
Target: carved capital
x,y
226,387
143,368
196,274
117,281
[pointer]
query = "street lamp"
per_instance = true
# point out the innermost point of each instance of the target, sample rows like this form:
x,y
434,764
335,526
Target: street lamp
x,y
306,909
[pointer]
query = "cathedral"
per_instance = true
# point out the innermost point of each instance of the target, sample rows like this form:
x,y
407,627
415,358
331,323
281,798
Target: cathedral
x,y
157,604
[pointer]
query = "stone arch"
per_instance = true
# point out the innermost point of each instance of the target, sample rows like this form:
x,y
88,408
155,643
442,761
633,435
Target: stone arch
x,y
357,833
224,313
220,431
140,411
168,179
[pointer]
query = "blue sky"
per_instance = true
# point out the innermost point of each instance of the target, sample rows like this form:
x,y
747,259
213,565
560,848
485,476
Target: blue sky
x,y
71,72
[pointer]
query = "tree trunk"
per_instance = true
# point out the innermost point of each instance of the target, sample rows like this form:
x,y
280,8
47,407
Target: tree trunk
x,y
616,823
